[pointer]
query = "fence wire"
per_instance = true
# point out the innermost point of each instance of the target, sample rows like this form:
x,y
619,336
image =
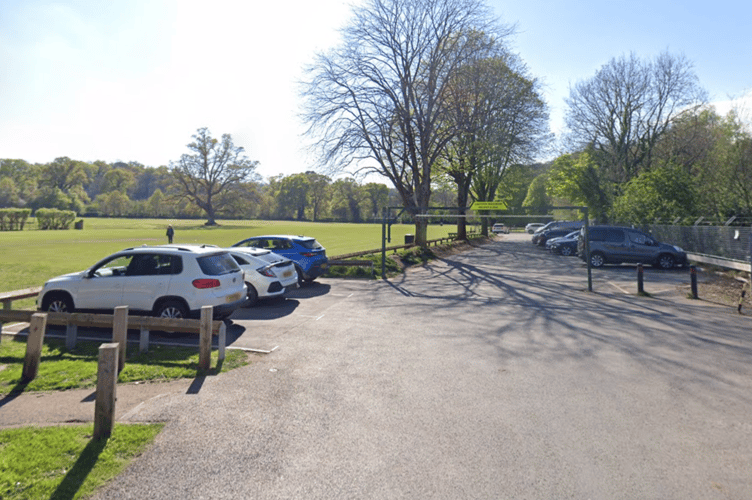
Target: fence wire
x,y
728,242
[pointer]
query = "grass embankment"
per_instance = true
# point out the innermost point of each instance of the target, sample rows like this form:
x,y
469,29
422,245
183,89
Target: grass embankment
x,y
61,369
65,462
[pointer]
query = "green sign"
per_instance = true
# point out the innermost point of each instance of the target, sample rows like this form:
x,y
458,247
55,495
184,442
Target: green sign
x,y
488,205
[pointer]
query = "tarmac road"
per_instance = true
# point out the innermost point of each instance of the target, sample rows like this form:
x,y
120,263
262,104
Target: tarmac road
x,y
489,374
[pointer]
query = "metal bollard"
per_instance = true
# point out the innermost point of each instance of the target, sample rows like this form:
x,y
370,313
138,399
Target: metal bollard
x,y
640,287
693,280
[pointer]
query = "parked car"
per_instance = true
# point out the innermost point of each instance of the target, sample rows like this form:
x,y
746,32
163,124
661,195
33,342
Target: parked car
x,y
266,274
615,245
564,245
499,228
556,224
169,281
533,226
548,234
306,253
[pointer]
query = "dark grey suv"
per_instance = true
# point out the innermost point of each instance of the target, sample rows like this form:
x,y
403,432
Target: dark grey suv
x,y
616,245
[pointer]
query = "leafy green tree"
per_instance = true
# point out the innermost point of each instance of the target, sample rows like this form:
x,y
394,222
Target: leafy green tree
x,y
318,193
25,178
292,196
9,196
113,204
64,174
376,197
537,198
578,179
661,193
215,168
347,197
513,187
117,179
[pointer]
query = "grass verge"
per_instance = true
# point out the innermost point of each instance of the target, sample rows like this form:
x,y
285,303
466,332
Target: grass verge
x,y
65,462
61,369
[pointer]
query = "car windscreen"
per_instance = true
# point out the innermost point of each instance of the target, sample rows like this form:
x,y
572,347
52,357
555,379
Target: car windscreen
x,y
310,244
217,264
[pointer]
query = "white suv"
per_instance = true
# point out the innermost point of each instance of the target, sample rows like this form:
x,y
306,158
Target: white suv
x,y
169,281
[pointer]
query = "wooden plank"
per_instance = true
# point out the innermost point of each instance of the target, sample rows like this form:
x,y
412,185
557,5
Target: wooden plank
x,y
20,294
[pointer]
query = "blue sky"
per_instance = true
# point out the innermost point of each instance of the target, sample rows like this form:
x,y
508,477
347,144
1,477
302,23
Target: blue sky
x,y
133,80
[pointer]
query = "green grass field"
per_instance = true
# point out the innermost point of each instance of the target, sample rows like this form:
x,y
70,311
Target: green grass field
x,y
28,258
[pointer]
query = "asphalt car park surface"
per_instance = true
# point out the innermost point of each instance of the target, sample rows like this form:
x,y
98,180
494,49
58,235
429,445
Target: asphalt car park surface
x,y
488,374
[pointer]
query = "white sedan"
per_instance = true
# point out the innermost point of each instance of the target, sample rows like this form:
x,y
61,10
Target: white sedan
x,y
266,274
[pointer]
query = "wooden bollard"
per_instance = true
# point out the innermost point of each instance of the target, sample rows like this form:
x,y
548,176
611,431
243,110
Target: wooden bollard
x,y
205,338
120,333
34,344
104,408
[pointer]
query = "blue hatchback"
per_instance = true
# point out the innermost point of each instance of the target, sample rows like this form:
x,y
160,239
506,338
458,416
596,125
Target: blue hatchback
x,y
307,253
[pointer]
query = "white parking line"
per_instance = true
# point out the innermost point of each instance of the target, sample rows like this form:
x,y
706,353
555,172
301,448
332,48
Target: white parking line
x,y
618,288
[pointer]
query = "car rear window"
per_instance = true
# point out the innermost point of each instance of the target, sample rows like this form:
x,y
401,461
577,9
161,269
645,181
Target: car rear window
x,y
310,244
217,264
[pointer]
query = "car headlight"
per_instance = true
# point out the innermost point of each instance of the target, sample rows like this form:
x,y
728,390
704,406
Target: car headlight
x,y
678,249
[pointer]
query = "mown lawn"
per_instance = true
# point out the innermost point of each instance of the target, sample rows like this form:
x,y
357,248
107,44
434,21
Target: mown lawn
x,y
65,462
61,369
31,257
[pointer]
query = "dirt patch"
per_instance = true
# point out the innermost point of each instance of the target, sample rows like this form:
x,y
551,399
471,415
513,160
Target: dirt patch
x,y
722,287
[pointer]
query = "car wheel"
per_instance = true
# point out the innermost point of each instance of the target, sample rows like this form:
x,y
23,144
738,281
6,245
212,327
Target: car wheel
x,y
172,309
666,261
57,302
301,278
252,295
597,259
566,251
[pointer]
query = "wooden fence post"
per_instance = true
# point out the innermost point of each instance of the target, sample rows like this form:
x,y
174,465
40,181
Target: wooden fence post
x,y
143,342
34,343
205,338
222,341
71,335
120,333
104,407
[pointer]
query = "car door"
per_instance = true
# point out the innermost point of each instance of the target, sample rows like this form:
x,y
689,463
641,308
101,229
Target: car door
x,y
642,249
102,287
143,283
614,244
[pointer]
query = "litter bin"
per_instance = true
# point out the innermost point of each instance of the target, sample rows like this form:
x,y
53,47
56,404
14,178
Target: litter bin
x,y
409,239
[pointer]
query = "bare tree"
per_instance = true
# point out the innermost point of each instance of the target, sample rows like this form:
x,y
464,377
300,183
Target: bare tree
x,y
627,106
378,102
208,176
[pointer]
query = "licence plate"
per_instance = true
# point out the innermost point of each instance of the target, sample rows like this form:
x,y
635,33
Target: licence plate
x,y
287,274
233,297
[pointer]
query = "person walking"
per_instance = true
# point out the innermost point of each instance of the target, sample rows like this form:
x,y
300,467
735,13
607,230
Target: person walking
x,y
170,233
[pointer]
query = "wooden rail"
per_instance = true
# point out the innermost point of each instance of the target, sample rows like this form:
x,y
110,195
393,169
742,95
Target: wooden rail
x,y
7,298
145,324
